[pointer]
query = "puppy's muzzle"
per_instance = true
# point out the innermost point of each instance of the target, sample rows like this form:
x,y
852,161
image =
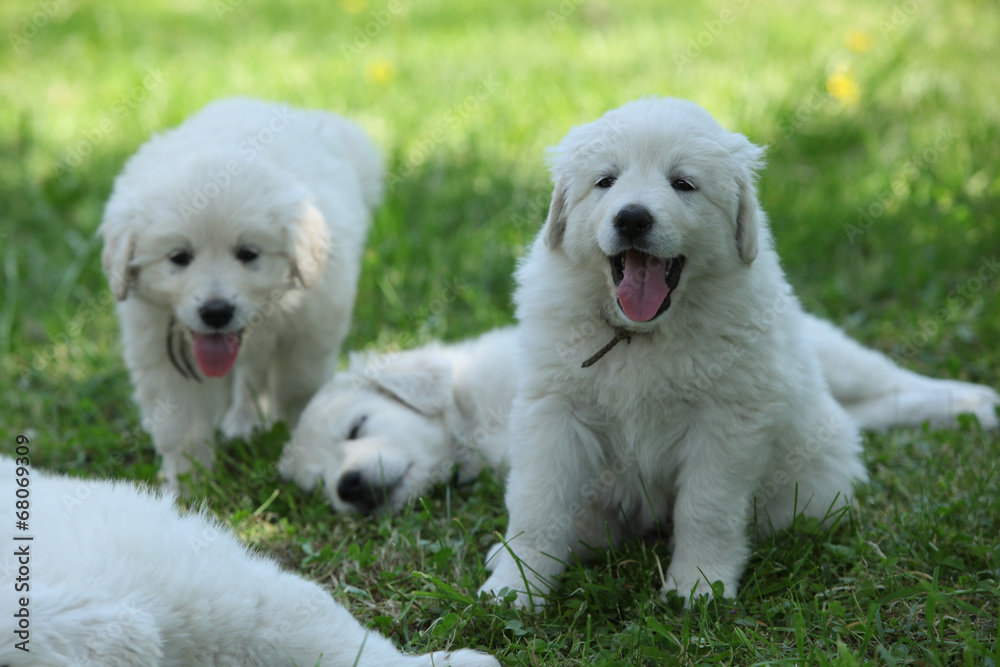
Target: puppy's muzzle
x,y
363,495
216,313
633,222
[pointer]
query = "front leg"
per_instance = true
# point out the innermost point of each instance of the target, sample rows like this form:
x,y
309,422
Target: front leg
x,y
178,410
713,510
549,447
180,416
251,394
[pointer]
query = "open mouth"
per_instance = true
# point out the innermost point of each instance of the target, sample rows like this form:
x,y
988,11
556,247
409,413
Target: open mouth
x,y
215,353
644,282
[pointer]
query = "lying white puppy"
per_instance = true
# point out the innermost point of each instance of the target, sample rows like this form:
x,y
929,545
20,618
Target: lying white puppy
x,y
116,576
233,246
387,428
421,412
665,369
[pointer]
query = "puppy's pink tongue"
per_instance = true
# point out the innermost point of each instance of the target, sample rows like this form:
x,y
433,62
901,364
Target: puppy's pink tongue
x,y
644,287
216,353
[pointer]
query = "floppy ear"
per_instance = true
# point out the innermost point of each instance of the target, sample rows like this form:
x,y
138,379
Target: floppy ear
x,y
555,223
309,246
751,159
421,381
116,258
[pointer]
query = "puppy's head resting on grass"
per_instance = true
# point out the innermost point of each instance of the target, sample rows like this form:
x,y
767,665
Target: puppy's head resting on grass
x,y
378,434
652,181
213,244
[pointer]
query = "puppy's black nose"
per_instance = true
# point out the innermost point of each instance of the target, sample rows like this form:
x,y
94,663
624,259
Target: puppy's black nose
x,y
633,221
354,489
216,313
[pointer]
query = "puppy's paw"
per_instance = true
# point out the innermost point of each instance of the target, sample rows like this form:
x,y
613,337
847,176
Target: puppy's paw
x,y
493,556
977,399
499,592
463,658
239,423
691,588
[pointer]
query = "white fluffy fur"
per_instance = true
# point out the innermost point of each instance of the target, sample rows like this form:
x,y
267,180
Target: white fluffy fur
x,y
296,186
119,577
716,414
404,449
419,413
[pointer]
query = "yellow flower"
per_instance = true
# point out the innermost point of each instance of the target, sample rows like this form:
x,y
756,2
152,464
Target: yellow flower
x,y
380,71
841,84
353,6
859,41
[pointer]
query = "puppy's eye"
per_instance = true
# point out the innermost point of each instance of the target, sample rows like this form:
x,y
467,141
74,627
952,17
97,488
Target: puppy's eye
x,y
606,182
181,258
355,431
246,254
682,185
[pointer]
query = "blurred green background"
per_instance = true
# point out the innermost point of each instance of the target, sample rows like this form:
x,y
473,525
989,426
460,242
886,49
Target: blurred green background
x,y
882,185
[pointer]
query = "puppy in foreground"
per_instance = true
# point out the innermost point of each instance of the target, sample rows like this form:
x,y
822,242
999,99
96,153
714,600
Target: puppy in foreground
x,y
119,577
232,245
392,425
665,371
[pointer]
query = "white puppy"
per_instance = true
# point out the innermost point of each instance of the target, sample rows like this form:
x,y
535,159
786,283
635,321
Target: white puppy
x,y
390,426
233,246
116,576
665,370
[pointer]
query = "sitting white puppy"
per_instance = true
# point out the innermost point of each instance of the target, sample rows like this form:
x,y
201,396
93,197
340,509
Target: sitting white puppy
x,y
665,370
390,426
233,246
116,576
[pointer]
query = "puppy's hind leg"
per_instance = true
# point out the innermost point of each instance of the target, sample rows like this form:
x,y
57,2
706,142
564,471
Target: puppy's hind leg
x,y
815,469
878,394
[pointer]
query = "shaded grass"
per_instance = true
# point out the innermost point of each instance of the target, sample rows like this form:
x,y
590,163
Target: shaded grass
x,y
909,578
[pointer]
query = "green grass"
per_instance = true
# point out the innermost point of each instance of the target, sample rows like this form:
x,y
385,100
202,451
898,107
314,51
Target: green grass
x,y
911,577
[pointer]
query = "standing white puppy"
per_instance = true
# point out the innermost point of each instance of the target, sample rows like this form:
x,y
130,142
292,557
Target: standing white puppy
x,y
666,373
233,246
